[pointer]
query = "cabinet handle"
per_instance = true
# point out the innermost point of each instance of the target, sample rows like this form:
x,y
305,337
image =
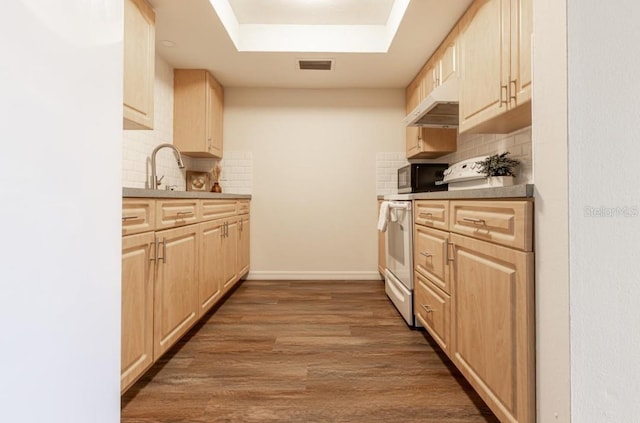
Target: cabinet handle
x,y
474,221
426,308
506,94
426,215
446,250
125,218
155,250
164,250
184,213
515,88
422,253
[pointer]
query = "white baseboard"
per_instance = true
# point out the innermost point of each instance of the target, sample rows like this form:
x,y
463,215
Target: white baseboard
x,y
269,275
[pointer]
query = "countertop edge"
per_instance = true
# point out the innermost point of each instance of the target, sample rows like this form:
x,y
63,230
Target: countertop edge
x,y
148,193
513,191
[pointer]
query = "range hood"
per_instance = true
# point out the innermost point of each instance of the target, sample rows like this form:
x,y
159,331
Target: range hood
x,y
439,109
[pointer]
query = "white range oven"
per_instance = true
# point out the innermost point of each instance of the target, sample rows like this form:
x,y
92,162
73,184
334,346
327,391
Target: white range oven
x,y
399,256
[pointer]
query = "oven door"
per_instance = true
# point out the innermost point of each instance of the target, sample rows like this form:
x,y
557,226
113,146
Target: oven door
x,y
399,242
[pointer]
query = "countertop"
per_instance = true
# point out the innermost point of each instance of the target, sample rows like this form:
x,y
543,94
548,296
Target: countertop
x,y
513,191
149,193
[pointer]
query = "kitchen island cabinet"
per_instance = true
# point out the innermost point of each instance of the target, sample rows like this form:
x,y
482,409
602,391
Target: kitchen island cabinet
x,y
139,64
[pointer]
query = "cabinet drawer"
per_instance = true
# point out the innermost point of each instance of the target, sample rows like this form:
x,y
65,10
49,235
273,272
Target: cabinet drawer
x,y
503,222
431,255
243,207
170,213
137,215
218,209
433,213
431,308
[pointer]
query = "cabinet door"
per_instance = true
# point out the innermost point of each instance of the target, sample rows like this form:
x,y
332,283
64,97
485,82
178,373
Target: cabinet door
x,y
139,64
521,30
493,325
428,80
230,254
447,63
243,246
216,105
176,290
413,139
483,92
431,308
431,256
210,282
137,307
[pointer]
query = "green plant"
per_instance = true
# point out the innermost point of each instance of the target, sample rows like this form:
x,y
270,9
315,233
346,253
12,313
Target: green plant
x,y
498,165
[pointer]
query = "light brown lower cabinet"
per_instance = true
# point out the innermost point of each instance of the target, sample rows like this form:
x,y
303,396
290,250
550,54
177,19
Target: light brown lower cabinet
x,y
176,285
493,325
137,306
210,284
474,293
172,276
244,234
230,254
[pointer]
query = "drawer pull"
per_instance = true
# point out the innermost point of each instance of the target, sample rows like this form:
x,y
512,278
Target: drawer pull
x,y
125,218
426,215
474,221
422,253
184,213
426,308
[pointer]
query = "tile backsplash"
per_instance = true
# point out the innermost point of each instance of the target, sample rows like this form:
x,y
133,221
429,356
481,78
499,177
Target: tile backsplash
x,y
518,143
387,165
137,145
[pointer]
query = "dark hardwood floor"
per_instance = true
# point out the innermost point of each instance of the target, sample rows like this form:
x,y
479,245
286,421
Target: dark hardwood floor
x,y
326,351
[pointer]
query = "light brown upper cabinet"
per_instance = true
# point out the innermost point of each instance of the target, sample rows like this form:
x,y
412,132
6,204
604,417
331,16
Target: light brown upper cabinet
x,y
197,113
139,64
495,55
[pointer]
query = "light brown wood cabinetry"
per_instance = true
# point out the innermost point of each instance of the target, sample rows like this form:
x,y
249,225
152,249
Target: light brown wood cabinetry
x,y
474,293
244,233
137,307
139,64
431,143
496,67
176,270
138,215
210,283
433,213
171,213
432,310
382,253
230,254
431,255
508,223
493,325
176,285
197,113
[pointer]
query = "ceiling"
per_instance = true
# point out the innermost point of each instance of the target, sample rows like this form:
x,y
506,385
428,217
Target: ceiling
x,y
201,40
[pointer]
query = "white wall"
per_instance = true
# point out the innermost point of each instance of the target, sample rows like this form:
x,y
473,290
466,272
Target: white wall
x,y
60,126
549,111
314,205
604,130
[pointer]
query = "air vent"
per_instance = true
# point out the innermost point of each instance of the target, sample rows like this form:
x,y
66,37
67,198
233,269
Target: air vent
x,y
316,64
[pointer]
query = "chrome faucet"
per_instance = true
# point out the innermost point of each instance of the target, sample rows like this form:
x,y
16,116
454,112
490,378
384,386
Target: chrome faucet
x,y
154,178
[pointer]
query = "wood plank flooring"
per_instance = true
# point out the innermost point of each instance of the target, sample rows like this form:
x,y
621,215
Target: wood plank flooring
x,y
325,351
